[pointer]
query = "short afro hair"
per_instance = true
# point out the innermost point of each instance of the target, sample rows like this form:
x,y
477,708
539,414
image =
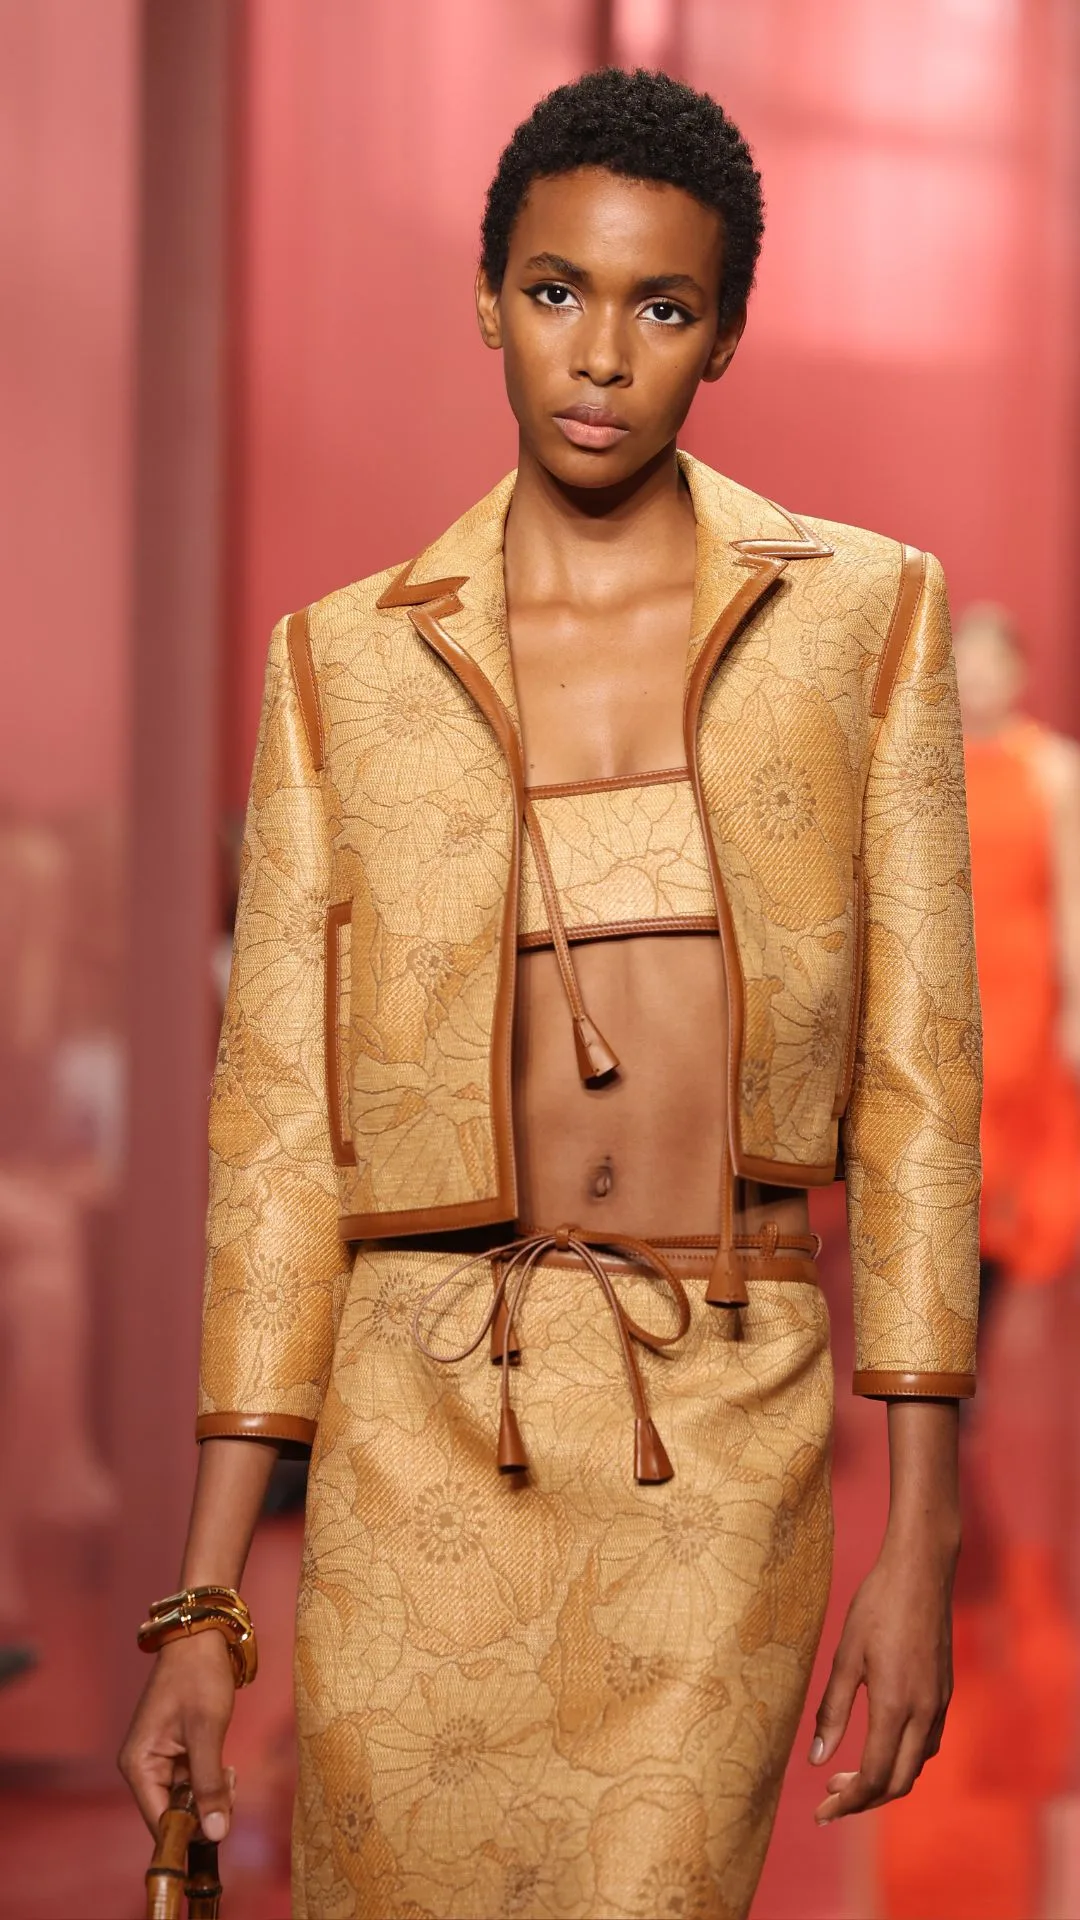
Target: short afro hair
x,y
645,126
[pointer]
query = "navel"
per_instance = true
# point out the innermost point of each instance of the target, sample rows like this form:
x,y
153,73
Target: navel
x,y
601,1179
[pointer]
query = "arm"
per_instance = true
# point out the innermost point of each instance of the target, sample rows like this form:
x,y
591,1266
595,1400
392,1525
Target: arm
x,y
275,1262
911,1137
897,1639
188,1700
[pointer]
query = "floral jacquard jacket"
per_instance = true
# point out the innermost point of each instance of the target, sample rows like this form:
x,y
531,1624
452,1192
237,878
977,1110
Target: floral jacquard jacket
x,y
362,1090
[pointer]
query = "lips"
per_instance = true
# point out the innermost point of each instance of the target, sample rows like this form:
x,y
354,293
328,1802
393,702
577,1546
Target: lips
x,y
593,427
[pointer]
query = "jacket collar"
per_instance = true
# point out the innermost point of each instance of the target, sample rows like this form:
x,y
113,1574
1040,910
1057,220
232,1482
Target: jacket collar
x,y
458,579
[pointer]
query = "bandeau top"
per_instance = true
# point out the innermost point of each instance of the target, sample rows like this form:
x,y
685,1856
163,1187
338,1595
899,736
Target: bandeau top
x,y
625,855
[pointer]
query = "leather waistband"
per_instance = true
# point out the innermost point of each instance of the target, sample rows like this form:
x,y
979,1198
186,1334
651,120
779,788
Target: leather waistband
x,y
603,1256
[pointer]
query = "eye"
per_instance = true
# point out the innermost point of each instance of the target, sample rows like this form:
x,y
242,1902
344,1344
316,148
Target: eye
x,y
664,313
552,293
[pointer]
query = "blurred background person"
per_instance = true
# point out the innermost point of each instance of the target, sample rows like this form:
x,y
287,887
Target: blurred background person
x,y
1023,783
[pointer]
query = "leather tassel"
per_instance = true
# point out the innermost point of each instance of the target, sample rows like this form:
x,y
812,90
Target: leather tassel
x,y
498,1336
727,1281
650,1457
596,1062
512,1457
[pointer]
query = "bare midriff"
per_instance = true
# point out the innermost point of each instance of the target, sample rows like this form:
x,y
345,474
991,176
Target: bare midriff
x,y
600,697
643,1153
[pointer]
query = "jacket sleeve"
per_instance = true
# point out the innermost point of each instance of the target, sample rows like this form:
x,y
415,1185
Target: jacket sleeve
x,y
275,1262
911,1131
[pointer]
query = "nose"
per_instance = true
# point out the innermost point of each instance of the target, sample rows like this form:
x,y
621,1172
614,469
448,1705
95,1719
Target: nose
x,y
601,349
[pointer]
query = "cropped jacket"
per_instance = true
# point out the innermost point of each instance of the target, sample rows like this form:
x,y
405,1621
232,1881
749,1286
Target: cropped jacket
x,y
362,1088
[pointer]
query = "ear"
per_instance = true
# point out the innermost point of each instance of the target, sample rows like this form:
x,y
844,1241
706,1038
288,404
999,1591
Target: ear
x,y
487,311
723,347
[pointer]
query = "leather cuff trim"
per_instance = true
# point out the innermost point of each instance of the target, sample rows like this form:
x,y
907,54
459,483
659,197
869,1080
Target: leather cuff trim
x,y
882,1384
286,1427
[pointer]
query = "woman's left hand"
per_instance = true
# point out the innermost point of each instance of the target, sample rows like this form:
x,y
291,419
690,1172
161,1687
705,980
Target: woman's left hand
x,y
897,1642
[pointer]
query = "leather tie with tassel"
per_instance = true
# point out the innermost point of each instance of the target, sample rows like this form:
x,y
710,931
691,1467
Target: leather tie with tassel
x,y
520,1258
597,1063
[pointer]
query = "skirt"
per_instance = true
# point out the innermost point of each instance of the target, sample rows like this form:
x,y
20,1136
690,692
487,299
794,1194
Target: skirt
x,y
557,1693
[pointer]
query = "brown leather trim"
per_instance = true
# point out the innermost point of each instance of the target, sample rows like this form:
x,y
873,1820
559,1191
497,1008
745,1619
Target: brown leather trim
x,y
298,641
805,545
859,944
694,1264
422,592
344,1152
785,1173
287,1427
735,615
611,783
909,592
622,930
424,1220
503,1205
880,1384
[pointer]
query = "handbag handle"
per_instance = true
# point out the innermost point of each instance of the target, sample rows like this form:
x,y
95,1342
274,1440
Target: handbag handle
x,y
184,1862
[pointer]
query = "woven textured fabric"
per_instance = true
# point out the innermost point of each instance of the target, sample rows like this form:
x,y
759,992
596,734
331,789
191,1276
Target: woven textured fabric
x,y
619,855
404,824
275,1262
911,1134
574,1696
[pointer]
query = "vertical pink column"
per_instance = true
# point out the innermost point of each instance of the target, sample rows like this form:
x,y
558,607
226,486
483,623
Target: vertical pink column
x,y
186,75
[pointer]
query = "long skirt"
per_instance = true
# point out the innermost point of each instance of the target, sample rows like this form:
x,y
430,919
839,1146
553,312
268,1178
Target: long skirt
x,y
558,1693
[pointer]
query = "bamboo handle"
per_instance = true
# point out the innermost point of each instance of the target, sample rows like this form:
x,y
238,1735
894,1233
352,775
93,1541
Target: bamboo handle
x,y
183,1862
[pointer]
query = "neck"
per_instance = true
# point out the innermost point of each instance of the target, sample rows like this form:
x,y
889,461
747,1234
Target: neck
x,y
575,541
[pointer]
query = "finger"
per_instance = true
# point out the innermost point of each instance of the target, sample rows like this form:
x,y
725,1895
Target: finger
x,y
208,1782
869,1787
909,1759
933,1744
149,1774
835,1710
826,1811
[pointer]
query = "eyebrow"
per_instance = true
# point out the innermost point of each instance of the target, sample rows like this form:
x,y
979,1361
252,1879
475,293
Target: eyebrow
x,y
563,269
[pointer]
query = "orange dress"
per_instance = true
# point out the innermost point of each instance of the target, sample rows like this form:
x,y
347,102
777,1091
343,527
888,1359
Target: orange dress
x,y
1031,1099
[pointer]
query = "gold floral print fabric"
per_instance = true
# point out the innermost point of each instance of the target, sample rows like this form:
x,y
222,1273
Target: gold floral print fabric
x,y
573,1695
619,855
275,1261
911,1135
408,833
421,810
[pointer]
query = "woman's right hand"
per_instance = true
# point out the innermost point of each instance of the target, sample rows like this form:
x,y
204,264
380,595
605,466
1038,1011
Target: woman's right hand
x,y
178,1732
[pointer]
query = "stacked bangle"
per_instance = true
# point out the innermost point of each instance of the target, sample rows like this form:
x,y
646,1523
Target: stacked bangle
x,y
194,1611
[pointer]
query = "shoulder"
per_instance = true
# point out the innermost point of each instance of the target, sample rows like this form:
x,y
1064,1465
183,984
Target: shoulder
x,y
863,568
346,616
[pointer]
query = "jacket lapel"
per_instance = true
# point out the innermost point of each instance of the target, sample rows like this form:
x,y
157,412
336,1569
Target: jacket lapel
x,y
744,543
454,591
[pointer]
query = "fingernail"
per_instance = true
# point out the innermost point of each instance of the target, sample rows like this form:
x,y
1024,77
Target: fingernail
x,y
215,1826
824,1819
817,1750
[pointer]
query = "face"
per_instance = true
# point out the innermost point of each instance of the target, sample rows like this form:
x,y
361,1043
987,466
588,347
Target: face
x,y
607,319
989,671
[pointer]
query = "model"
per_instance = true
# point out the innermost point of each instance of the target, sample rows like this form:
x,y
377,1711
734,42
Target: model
x,y
601,862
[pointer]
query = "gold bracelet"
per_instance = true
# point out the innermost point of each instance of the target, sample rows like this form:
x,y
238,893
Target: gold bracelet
x,y
194,1611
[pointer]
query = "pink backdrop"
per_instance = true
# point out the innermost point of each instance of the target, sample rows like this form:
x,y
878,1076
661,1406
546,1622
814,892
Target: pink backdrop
x,y
909,362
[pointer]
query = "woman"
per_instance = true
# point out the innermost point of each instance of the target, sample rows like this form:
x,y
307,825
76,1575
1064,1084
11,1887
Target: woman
x,y
588,828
